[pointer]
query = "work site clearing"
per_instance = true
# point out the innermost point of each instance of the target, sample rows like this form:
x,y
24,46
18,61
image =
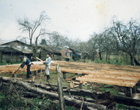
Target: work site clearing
x,y
86,86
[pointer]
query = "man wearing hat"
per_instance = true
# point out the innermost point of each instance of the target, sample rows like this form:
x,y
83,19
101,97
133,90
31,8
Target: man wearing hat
x,y
27,62
68,54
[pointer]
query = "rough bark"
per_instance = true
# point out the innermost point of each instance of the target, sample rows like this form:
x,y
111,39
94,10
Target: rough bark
x,y
68,100
100,55
127,100
136,61
132,59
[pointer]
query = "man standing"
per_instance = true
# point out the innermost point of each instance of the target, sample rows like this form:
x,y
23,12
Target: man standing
x,y
47,66
27,62
68,55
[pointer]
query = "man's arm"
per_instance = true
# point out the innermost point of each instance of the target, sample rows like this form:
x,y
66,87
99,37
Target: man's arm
x,y
24,62
48,61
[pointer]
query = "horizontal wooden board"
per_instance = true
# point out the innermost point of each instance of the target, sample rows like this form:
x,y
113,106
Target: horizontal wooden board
x,y
126,76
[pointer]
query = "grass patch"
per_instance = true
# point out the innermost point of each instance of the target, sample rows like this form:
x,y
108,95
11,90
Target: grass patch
x,y
2,95
126,107
114,60
111,90
15,103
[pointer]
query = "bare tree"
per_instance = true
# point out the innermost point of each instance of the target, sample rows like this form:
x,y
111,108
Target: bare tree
x,y
56,39
33,26
97,43
127,36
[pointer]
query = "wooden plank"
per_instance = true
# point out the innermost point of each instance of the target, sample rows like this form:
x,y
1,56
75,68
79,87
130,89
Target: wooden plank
x,y
106,81
97,72
60,88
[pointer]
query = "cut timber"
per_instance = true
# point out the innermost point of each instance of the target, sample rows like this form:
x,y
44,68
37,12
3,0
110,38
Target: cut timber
x,y
71,84
126,100
108,81
40,92
126,76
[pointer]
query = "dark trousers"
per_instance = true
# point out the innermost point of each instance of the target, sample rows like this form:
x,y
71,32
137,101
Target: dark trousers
x,y
28,71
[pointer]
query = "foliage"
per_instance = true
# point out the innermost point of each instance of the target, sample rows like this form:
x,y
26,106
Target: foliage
x,y
43,42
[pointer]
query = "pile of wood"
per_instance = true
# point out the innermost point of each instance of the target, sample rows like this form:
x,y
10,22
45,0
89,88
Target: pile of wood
x,y
75,97
126,76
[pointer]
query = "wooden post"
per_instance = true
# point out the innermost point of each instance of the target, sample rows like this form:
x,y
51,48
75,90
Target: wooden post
x,y
14,75
60,88
64,75
0,57
138,83
134,89
81,86
128,91
36,72
11,58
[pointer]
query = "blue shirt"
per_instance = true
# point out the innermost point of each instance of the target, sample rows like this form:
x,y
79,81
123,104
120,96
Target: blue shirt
x,y
26,61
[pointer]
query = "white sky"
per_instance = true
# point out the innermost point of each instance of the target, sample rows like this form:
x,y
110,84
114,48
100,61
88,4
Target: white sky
x,y
72,18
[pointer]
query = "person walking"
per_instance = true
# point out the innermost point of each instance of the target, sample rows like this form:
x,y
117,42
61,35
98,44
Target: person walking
x,y
47,66
68,55
27,62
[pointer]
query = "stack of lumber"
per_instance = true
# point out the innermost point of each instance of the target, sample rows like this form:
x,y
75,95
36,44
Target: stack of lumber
x,y
126,76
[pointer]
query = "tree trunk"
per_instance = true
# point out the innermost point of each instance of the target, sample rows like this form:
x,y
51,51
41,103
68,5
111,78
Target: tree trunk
x,y
126,100
35,48
34,51
93,56
106,56
69,100
132,59
109,58
30,41
136,61
0,57
11,58
100,55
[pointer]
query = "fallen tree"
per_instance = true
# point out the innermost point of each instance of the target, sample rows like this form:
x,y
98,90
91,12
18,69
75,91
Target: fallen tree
x,y
7,84
40,90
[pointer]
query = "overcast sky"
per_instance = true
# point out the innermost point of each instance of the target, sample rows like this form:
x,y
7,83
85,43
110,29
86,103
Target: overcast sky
x,y
72,18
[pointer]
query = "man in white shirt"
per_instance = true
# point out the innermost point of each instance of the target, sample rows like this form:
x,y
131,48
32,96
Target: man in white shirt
x,y
47,66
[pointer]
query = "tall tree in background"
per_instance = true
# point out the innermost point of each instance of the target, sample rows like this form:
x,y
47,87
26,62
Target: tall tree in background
x,y
56,39
33,26
43,42
127,36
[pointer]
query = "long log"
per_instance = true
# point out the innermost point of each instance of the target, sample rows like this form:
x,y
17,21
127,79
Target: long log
x,y
127,100
68,100
79,92
94,95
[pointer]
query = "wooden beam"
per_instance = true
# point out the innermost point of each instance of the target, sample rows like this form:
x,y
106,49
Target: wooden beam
x,y
106,81
60,88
